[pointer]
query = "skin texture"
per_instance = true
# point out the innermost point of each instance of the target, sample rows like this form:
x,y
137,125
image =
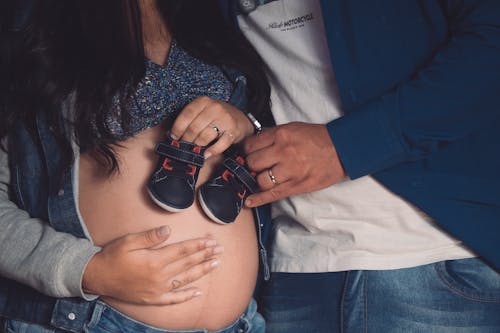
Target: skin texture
x,y
301,157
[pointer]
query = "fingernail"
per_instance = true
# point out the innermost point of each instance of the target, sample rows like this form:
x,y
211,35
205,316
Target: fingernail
x,y
215,263
210,243
197,293
207,154
163,231
173,136
218,249
248,203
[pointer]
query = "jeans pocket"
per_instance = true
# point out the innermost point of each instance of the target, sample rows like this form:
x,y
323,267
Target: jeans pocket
x,y
471,279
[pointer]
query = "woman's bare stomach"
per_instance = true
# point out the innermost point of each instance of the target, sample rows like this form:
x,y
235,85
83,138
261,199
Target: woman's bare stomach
x,y
112,206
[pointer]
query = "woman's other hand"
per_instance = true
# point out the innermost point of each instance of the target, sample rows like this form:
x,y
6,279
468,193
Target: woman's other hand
x,y
205,120
140,269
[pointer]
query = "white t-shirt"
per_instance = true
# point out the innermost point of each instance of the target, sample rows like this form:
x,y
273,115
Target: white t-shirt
x,y
357,224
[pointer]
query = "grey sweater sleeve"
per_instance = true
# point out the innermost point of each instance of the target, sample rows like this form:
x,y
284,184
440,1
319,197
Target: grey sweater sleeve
x,y
33,253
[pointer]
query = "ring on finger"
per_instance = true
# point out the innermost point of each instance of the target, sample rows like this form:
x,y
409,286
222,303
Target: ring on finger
x,y
216,129
272,176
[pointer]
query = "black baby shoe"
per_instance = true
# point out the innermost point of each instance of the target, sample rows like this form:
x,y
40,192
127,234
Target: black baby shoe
x,y
172,184
222,197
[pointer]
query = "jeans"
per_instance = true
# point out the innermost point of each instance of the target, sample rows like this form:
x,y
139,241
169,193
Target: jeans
x,y
456,296
108,320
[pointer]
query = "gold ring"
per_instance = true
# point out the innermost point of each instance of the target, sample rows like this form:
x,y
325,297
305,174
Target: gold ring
x,y
271,176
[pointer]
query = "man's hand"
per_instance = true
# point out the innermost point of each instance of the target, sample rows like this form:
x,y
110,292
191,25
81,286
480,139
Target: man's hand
x,y
299,157
140,269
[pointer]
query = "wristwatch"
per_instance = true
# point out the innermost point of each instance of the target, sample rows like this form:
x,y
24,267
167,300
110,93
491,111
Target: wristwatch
x,y
256,124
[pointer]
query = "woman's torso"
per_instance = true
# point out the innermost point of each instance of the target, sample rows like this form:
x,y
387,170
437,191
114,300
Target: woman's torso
x,y
112,206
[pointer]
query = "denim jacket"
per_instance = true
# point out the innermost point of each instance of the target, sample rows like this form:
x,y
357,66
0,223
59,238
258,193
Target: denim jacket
x,y
36,186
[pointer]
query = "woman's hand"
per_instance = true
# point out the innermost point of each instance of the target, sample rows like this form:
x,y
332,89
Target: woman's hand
x,y
140,269
206,119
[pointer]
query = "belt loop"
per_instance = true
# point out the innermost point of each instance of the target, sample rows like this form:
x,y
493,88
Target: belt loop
x,y
72,314
96,315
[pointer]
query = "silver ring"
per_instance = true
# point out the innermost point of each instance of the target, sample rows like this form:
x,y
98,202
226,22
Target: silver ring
x,y
216,129
272,176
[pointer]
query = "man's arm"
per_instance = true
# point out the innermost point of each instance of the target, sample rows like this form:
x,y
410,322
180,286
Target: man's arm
x,y
457,93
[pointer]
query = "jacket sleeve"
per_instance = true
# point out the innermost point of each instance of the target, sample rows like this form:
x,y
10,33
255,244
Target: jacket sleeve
x,y
33,253
454,95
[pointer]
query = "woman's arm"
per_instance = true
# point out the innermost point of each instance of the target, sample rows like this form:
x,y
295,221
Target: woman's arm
x,y
136,268
33,253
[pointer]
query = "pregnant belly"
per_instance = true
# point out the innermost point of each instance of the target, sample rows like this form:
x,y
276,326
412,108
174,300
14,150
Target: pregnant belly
x,y
112,206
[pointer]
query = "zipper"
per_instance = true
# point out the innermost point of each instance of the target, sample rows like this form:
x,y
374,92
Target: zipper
x,y
262,249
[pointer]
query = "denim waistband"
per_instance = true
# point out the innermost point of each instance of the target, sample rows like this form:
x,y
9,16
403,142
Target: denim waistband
x,y
110,319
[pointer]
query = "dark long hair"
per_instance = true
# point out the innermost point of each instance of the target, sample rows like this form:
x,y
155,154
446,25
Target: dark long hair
x,y
92,49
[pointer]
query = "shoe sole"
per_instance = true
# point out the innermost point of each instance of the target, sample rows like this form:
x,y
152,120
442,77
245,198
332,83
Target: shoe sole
x,y
165,206
208,212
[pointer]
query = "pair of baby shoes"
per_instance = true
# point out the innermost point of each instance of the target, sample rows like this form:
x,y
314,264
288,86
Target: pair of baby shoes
x,y
172,185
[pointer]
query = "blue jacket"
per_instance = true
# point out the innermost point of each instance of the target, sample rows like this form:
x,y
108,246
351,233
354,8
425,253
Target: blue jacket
x,y
419,82
36,168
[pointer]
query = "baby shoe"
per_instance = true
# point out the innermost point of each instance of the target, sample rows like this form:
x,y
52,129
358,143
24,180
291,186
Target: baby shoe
x,y
222,197
172,184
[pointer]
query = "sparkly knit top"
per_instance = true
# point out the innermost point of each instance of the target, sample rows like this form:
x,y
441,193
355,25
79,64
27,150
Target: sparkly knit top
x,y
164,91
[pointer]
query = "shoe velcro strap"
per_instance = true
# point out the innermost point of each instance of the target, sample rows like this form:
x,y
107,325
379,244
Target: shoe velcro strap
x,y
180,154
242,174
